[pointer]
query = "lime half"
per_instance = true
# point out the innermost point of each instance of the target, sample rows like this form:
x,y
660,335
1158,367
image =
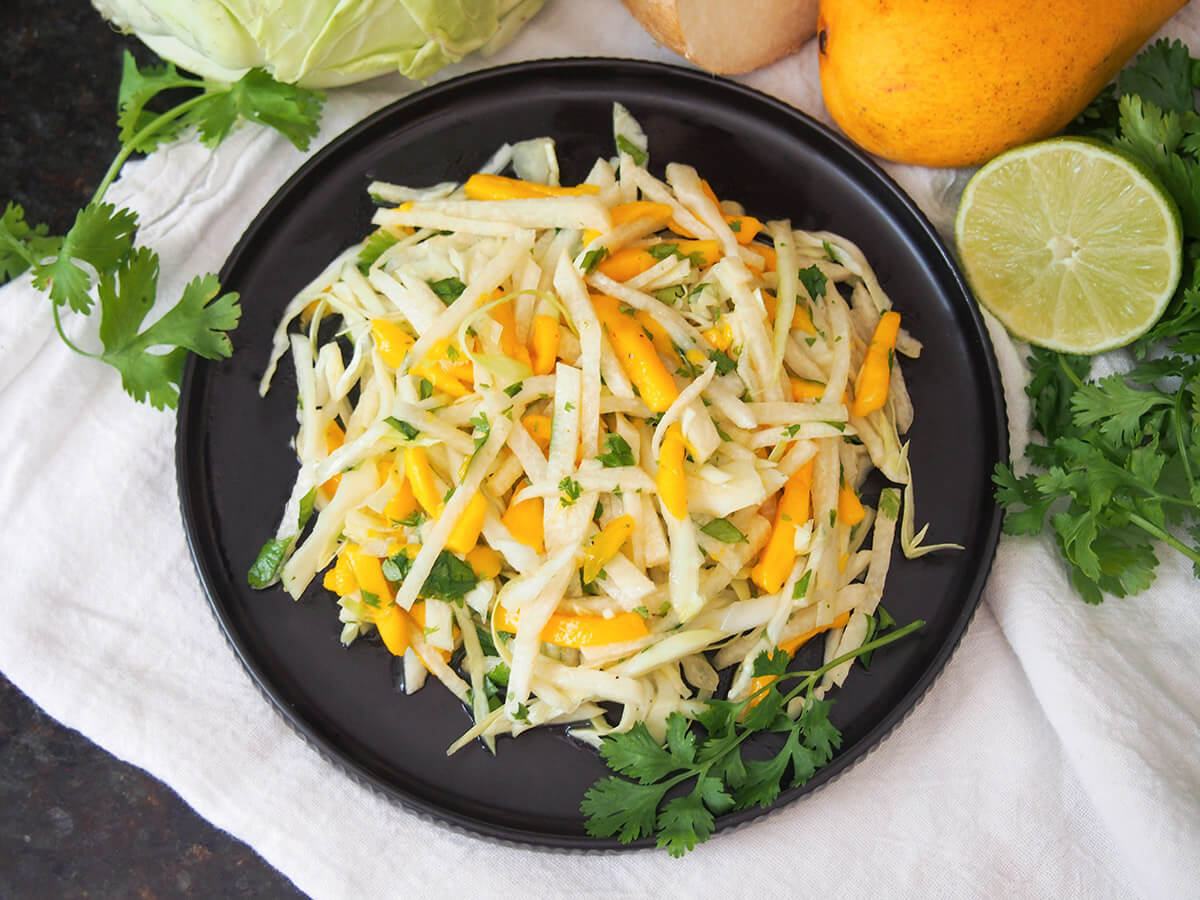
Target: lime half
x,y
1070,244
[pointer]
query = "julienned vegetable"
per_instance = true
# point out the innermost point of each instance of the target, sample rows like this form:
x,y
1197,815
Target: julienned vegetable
x,y
319,43
97,262
657,507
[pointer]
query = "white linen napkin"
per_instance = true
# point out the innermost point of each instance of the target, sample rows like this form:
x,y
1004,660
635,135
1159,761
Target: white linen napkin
x,y
1055,756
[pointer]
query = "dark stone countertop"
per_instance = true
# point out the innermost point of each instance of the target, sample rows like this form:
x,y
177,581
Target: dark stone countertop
x,y
75,821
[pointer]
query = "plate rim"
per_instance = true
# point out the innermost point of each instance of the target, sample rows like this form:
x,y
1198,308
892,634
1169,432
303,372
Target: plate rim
x,y
946,267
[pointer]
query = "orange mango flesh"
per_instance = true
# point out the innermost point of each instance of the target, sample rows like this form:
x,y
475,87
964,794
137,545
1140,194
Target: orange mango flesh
x,y
504,314
465,535
499,187
658,336
402,504
605,545
538,427
391,341
849,509
801,317
671,479
775,564
659,213
393,624
418,473
806,389
544,344
720,335
485,562
745,228
579,631
874,377
630,262
636,353
334,438
770,257
525,522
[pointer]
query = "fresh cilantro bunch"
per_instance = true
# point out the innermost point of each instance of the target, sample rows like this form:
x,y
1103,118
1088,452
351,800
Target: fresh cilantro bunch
x,y
676,790
97,263
1119,472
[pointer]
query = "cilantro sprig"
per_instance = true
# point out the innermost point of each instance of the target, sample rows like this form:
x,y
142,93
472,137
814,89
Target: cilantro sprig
x,y
650,793
1117,474
97,261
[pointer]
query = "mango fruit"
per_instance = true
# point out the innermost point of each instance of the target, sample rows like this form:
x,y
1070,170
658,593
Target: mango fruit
x,y
940,83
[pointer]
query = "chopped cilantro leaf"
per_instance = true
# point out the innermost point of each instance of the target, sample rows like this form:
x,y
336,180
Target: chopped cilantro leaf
x,y
624,145
724,361
412,520
447,289
723,530
450,579
670,295
265,569
395,568
619,453
814,281
593,258
374,247
409,432
483,428
571,491
306,507
800,590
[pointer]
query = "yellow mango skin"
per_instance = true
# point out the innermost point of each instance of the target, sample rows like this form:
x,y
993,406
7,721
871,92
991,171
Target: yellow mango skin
x,y
938,83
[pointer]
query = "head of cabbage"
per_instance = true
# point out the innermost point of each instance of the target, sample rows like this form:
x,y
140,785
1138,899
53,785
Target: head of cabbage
x,y
318,43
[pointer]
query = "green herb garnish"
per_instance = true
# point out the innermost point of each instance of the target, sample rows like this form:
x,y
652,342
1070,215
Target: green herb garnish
x,y
96,261
447,289
409,431
1118,470
625,145
376,244
571,491
814,281
619,453
724,531
709,759
450,579
593,258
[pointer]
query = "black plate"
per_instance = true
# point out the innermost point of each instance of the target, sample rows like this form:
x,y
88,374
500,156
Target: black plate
x,y
235,468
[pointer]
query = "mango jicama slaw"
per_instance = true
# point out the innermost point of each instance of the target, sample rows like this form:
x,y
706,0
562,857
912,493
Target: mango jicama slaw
x,y
570,447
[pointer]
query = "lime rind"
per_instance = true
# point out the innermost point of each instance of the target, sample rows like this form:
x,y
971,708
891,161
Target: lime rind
x,y
1071,244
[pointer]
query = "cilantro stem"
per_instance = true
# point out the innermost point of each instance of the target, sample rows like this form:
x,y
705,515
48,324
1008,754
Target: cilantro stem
x,y
1181,440
1167,538
66,340
1062,362
170,115
813,675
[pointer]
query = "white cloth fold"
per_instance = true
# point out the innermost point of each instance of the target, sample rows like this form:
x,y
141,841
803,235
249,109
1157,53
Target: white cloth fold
x,y
1055,756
